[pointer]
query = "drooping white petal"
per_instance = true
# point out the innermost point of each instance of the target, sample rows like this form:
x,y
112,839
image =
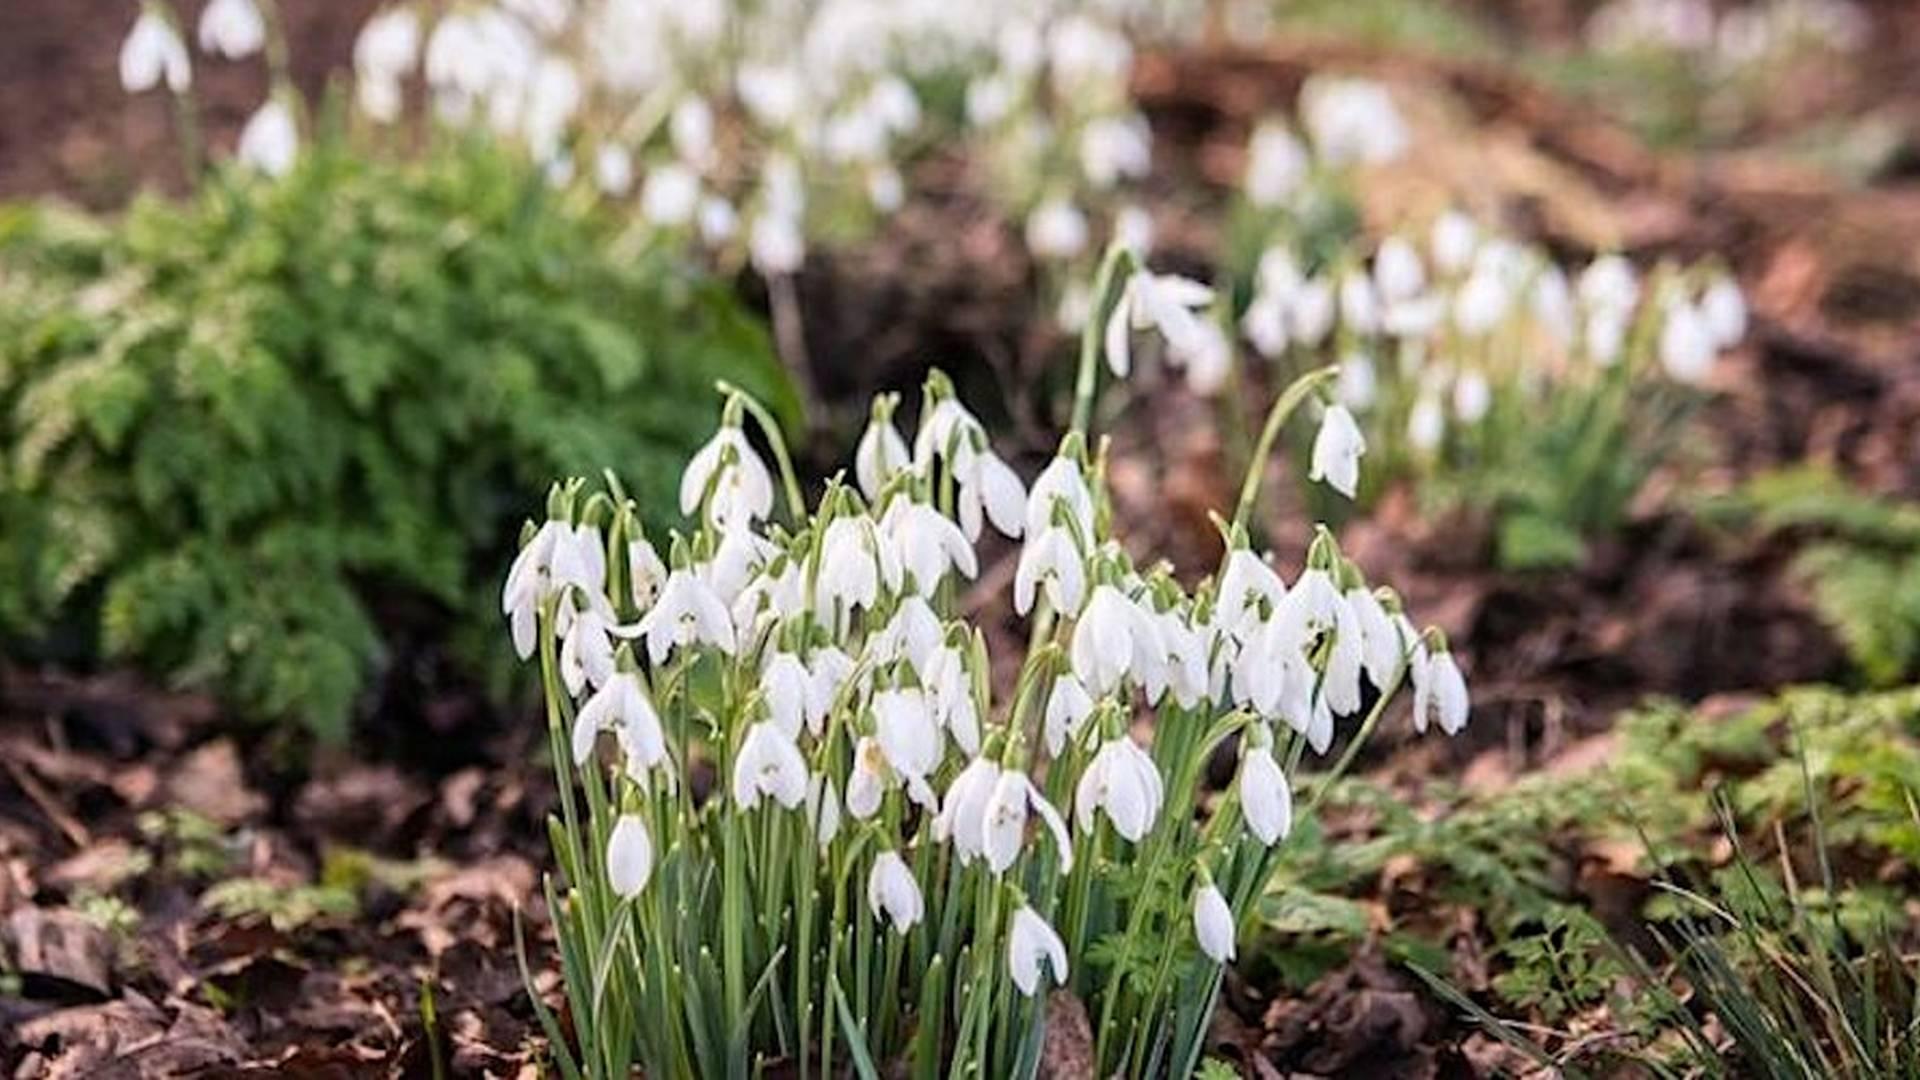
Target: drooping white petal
x,y
1266,800
892,892
629,856
1029,942
1213,924
1336,451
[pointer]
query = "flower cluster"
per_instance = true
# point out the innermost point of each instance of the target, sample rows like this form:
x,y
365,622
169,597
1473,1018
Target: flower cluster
x,y
153,53
1745,35
784,715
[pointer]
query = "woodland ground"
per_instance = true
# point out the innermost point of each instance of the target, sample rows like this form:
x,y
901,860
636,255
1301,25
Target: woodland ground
x,y
368,920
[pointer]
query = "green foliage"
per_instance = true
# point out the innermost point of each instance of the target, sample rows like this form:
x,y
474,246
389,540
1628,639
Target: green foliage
x,y
234,433
1861,561
283,906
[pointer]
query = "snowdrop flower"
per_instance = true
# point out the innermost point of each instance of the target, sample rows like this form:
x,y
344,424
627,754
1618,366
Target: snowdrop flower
x,y
629,856
232,28
1358,383
717,220
1481,303
885,189
828,673
1609,284
1426,424
621,706
912,634
1606,336
1381,647
1336,451
613,170
892,892
1266,800
1030,941
1359,305
910,739
1068,706
1439,693
784,680
1472,397
1352,121
1397,272
1246,586
151,52
1277,164
1213,924
963,812
988,490
740,557
670,196
1049,558
1453,241
1686,343
1207,358
690,129
949,690
646,573
769,764
1551,300
1165,302
1310,312
1184,655
1005,824
383,55
773,95
1108,637
776,245
1059,485
742,486
1113,148
881,453
1265,324
586,654
689,612
854,563
1121,780
990,99
270,142
1133,230
1724,308
927,543
1057,229
823,809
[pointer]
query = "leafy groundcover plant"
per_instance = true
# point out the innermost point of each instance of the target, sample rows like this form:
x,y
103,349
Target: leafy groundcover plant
x,y
229,427
819,837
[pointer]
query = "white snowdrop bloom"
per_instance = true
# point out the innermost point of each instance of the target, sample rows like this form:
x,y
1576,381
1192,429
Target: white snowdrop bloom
x,y
1481,303
1358,384
1247,585
776,244
1004,830
1414,318
1310,312
232,28
1453,241
1108,636
1472,397
886,190
528,583
621,706
646,573
688,613
1336,451
1359,304
828,672
1381,649
910,738
1340,687
717,221
1426,424
551,99
1686,343
784,681
1439,694
152,52
1279,272
988,490
893,100
740,557
1266,799
881,453
388,46
990,99
1609,284
1164,302
379,98
690,130
927,544
949,695
1277,164
1068,706
1724,307
1057,229
1265,324
1606,336
772,95
1184,653
823,809
1311,607
893,894
912,635
1115,148
629,856
962,819
869,779
1121,780
850,572
1060,485
1213,924
1133,230
613,170
1082,53
586,653
1029,942
549,17
1052,560
670,195
1352,121
1397,272
1207,358
769,763
746,479
1551,301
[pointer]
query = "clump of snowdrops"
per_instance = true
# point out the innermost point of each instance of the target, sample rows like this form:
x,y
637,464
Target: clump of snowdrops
x,y
807,817
154,54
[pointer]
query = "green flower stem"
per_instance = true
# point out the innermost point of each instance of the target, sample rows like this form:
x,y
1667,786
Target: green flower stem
x,y
1283,408
1117,265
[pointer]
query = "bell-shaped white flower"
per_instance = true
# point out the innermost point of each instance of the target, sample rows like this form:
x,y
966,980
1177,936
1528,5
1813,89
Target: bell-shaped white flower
x,y
1341,684
1266,799
1059,486
586,652
989,490
1336,451
963,811
1183,658
629,856
728,466
1164,302
1481,304
690,129
670,195
1049,558
1121,780
739,557
910,738
1359,304
1030,941
1068,706
688,613
823,809
529,582
1352,121
854,563
645,572
892,892
1249,591
1213,924
151,52
1265,324
621,706
927,544
1277,164
828,671
1310,313
1687,343
912,635
718,221
1380,645
769,763
785,682
1439,694
1397,272
1610,284
1724,307
1108,638
1472,397
613,170
881,453
949,689
1057,229
1453,241
1004,826
232,28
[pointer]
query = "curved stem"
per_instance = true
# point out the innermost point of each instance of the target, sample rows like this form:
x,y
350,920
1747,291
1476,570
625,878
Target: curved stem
x,y
1117,264
1283,408
789,481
